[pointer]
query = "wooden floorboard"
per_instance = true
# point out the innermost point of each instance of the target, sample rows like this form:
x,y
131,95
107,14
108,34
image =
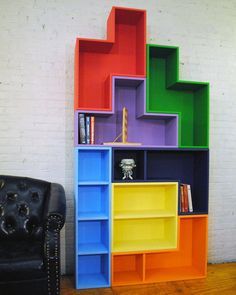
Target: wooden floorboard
x,y
221,280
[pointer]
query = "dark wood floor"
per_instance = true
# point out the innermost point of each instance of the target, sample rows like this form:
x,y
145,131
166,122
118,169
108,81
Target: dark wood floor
x,y
221,280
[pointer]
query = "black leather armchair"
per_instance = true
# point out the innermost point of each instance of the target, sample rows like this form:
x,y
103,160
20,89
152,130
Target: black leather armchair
x,y
32,213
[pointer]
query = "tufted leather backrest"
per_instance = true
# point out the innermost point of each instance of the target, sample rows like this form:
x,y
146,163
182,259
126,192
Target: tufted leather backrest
x,y
22,203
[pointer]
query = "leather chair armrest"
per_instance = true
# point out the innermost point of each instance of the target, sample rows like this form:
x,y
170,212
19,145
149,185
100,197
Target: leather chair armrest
x,y
52,257
56,209
55,219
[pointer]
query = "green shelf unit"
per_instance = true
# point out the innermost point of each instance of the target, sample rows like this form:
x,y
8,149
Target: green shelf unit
x,y
167,94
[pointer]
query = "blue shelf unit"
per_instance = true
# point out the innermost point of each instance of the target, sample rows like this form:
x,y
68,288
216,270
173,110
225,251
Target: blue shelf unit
x,y
93,222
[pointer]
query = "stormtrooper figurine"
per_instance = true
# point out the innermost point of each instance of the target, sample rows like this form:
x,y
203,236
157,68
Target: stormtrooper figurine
x,y
127,165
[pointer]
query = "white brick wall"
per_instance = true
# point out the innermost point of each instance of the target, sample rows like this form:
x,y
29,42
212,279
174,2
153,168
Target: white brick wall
x,y
36,91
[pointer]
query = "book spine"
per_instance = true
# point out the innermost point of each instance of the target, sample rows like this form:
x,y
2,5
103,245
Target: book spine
x,y
92,123
82,128
190,202
185,198
88,130
181,199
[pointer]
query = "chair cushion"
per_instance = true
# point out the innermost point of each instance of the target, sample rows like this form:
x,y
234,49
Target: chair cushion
x,y
22,203
21,260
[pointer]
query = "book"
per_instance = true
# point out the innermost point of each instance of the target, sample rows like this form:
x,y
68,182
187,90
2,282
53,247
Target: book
x,y
184,196
82,135
87,131
181,199
185,190
190,202
92,123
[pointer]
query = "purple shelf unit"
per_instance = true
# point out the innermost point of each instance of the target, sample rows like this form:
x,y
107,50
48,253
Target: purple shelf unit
x,y
149,129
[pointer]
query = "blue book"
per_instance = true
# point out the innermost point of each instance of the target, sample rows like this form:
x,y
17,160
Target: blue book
x,y
88,130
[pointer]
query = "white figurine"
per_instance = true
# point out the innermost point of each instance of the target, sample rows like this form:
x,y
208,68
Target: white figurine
x,y
127,165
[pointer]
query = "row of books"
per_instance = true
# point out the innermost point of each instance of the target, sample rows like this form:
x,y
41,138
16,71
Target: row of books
x,y
86,129
186,204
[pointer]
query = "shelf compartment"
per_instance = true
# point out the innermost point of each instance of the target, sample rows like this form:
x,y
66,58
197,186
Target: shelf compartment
x,y
137,155
93,271
123,52
93,202
127,269
145,200
144,234
189,166
189,262
93,165
93,237
167,94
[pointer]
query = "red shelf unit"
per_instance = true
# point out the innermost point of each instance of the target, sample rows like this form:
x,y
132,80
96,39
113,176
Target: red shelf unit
x,y
122,53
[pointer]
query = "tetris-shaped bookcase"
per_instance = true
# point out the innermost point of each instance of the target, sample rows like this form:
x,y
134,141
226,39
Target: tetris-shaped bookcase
x,y
133,231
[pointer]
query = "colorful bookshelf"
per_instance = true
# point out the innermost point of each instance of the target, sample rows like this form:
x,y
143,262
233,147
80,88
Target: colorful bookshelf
x,y
133,231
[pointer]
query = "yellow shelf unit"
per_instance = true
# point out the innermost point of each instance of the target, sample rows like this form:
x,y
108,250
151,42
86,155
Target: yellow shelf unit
x,y
144,216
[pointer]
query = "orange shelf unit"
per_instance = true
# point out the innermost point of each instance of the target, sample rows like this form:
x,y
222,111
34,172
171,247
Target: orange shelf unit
x,y
189,262
127,269
122,53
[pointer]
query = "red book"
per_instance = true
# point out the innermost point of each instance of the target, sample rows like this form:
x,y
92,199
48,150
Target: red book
x,y
185,190
181,199
92,122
